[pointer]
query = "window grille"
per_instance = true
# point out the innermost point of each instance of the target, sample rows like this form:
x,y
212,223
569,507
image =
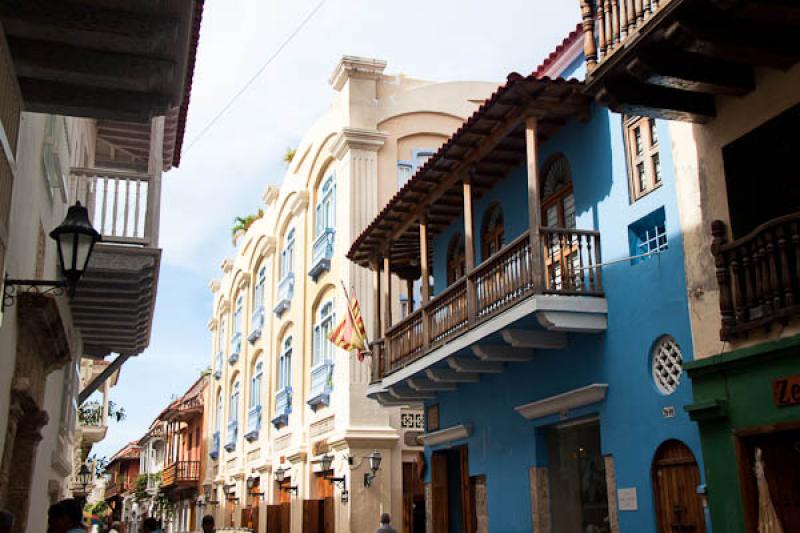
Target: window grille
x,y
667,365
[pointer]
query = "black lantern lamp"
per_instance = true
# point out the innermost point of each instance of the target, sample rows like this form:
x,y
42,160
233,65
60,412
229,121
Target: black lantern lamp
x,y
374,465
75,239
326,465
207,490
84,477
228,490
280,477
251,484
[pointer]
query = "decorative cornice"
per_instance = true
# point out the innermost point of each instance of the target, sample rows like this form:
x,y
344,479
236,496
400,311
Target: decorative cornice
x,y
296,457
357,138
377,437
226,265
561,403
363,68
213,285
244,281
269,195
212,324
266,247
224,305
447,435
299,202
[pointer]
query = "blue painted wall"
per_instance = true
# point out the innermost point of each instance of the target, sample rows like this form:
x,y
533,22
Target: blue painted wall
x,y
646,300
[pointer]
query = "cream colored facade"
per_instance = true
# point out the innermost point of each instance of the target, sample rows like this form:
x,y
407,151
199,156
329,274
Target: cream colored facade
x,y
377,124
702,198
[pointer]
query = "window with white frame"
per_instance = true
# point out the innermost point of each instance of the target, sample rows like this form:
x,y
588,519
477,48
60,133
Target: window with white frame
x,y
255,385
237,315
405,169
421,156
648,235
287,254
644,161
285,364
233,414
326,207
221,336
258,291
218,421
323,348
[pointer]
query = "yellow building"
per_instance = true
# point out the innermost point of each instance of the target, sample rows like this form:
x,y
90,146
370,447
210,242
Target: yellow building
x,y
282,397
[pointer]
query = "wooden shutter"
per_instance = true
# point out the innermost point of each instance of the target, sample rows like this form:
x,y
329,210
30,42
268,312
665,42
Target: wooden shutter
x,y
439,503
329,517
10,110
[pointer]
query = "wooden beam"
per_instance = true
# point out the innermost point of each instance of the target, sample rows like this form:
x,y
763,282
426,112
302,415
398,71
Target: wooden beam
x,y
469,247
534,200
692,72
377,333
635,98
387,294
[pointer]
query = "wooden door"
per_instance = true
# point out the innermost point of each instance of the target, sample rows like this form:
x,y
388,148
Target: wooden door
x,y
439,503
413,499
324,486
278,518
313,511
329,518
467,494
676,476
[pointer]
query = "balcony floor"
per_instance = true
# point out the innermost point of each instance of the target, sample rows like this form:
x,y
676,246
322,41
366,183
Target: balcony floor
x,y
541,321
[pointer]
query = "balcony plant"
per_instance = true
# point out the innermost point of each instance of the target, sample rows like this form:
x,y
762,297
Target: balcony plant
x,y
289,154
242,224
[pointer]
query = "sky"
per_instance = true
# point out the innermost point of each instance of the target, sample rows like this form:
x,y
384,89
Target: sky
x,y
224,172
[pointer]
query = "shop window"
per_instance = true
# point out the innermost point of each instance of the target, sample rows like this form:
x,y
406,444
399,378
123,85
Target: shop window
x,y
666,365
648,236
577,478
644,161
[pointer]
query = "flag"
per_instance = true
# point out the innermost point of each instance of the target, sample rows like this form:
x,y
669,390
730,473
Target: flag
x,y
350,334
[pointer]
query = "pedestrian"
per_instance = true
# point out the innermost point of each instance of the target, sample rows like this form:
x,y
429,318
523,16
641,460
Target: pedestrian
x,y
6,521
115,527
150,525
65,516
208,524
386,524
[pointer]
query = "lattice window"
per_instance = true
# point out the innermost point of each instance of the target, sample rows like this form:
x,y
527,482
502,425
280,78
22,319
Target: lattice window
x,y
667,365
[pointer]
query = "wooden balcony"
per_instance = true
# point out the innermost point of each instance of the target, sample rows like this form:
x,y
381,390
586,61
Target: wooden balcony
x,y
499,284
113,304
671,58
181,473
758,276
118,488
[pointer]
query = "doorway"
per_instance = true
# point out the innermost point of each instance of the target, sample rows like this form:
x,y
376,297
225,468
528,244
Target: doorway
x,y
413,499
676,476
562,255
454,505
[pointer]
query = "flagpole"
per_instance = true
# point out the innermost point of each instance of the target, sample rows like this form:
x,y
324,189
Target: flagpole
x,y
350,311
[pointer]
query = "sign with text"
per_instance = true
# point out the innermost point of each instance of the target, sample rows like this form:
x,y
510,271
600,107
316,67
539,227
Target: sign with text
x,y
786,391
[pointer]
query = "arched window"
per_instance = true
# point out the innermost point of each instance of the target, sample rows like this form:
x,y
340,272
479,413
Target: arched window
x,y
255,385
218,421
285,364
233,413
287,254
492,231
456,262
558,203
221,335
258,291
323,348
237,316
325,212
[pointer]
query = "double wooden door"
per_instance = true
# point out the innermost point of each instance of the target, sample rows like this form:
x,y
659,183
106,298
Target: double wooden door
x,y
318,516
466,512
279,518
676,476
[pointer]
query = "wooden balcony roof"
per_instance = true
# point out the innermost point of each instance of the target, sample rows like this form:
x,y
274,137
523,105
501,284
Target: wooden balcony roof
x,y
488,145
114,60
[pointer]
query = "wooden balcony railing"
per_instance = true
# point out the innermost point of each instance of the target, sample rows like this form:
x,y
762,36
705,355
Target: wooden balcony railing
x,y
572,266
609,24
181,472
123,206
758,275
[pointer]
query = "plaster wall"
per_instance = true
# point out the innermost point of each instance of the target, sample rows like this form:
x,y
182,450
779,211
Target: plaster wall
x,y
646,300
374,119
701,189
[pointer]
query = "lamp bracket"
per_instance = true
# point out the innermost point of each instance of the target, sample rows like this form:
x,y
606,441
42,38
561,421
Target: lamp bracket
x,y
12,287
293,489
341,482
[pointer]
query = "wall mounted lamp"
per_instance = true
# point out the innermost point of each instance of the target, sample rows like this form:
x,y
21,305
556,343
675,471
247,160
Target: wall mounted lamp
x,y
280,477
251,483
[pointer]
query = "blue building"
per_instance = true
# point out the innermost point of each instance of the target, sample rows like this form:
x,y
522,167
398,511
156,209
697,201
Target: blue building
x,y
548,339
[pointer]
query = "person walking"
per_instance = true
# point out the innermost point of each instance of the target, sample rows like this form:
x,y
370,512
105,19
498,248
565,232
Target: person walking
x,y
386,524
65,516
208,524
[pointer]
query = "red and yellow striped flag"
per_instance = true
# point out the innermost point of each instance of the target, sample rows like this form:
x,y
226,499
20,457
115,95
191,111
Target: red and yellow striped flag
x,y
351,334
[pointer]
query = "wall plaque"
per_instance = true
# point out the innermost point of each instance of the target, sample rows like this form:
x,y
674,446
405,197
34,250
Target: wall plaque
x,y
627,499
786,391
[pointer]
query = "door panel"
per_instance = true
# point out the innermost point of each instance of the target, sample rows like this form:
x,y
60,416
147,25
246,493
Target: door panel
x,y
675,480
439,488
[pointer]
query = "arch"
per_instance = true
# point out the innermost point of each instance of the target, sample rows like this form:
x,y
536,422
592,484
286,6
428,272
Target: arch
x,y
456,258
556,175
675,477
322,294
320,160
492,230
325,203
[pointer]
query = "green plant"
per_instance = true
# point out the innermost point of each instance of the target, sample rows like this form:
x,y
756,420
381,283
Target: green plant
x,y
242,224
289,154
163,505
205,372
99,508
100,464
91,413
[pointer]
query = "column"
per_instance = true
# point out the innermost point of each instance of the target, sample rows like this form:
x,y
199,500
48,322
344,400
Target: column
x,y
469,247
534,207
424,278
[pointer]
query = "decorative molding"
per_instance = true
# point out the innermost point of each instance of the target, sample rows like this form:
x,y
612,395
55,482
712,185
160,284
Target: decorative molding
x,y
357,138
244,281
214,286
375,437
561,403
226,266
447,435
213,324
299,202
321,426
296,457
362,68
269,195
224,305
266,247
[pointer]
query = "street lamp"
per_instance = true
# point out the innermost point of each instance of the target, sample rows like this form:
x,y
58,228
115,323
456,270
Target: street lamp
x,y
84,476
228,489
326,465
374,464
75,239
251,483
280,477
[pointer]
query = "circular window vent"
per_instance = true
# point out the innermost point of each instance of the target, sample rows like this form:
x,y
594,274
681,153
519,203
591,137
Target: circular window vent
x,y
667,365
